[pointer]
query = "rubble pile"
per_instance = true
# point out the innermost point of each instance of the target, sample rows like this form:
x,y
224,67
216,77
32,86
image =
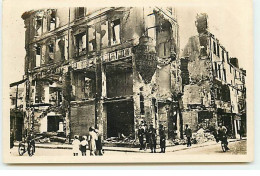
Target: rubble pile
x,y
179,141
202,136
49,137
121,141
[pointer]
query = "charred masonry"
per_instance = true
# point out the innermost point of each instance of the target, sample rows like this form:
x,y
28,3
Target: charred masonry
x,y
113,67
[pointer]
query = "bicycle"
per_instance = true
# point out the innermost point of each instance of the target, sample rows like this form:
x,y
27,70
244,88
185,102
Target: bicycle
x,y
26,147
224,144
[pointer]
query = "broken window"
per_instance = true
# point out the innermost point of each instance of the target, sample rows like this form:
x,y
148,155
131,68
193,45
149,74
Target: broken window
x,y
55,96
104,34
141,104
224,72
214,47
39,92
219,71
88,87
38,26
227,55
52,21
218,50
61,45
51,52
116,32
223,55
216,69
38,56
151,27
81,43
80,12
91,38
164,49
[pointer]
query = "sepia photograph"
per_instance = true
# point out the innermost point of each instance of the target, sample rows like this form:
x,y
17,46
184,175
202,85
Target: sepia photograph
x,y
128,83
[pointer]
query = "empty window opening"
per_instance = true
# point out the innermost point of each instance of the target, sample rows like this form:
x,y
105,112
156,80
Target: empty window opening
x,y
223,55
51,52
219,71
38,26
61,45
80,12
214,47
52,25
218,50
91,38
224,72
116,32
81,43
38,56
89,88
216,69
141,104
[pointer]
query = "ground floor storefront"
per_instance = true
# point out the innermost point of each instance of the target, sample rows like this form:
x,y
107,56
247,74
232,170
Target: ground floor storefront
x,y
118,118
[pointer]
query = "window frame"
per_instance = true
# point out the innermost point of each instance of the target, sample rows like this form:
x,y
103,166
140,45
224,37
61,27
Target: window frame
x,y
113,32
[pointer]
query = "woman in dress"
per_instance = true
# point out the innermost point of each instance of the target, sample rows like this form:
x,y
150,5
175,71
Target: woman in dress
x,y
92,141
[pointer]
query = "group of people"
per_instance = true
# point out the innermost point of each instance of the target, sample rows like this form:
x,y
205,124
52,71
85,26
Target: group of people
x,y
147,137
93,142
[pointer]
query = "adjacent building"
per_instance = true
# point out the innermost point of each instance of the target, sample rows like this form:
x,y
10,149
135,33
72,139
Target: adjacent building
x,y
17,98
213,84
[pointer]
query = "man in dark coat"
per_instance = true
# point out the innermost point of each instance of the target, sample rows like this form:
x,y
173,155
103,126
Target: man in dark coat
x,y
222,133
188,134
152,138
162,138
141,135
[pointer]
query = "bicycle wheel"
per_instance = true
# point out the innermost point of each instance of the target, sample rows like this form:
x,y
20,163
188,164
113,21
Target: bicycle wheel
x,y
31,150
223,147
21,150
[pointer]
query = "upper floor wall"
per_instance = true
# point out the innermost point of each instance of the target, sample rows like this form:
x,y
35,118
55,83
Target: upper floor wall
x,y
60,35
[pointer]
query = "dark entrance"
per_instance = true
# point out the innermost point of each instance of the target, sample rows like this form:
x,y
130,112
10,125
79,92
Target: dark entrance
x,y
53,123
16,124
120,118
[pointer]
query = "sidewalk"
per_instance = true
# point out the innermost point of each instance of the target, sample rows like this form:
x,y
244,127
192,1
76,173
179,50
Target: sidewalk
x,y
125,149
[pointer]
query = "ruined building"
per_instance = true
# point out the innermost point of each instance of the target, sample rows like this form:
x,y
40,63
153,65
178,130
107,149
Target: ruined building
x,y
104,67
213,84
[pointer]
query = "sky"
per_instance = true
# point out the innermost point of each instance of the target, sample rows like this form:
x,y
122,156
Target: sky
x,y
228,25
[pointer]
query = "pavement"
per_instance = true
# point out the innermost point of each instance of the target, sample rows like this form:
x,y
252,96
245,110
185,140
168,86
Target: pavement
x,y
127,149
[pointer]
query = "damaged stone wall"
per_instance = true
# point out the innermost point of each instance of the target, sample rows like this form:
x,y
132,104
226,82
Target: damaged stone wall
x,y
197,78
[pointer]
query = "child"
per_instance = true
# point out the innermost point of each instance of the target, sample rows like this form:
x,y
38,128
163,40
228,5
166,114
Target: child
x,y
83,145
76,144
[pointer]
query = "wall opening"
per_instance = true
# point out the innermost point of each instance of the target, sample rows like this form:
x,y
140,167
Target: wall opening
x,y
120,118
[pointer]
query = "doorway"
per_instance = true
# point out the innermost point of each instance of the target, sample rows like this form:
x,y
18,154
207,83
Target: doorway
x,y
53,123
120,118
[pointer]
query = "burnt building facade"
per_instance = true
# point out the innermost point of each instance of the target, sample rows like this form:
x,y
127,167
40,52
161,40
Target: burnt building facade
x,y
104,67
213,84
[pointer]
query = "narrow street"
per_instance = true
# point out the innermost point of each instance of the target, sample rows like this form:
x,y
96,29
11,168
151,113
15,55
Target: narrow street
x,y
238,147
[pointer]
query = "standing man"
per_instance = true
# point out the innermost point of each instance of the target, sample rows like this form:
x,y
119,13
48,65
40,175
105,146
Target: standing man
x,y
141,133
222,133
99,150
152,139
162,138
188,134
